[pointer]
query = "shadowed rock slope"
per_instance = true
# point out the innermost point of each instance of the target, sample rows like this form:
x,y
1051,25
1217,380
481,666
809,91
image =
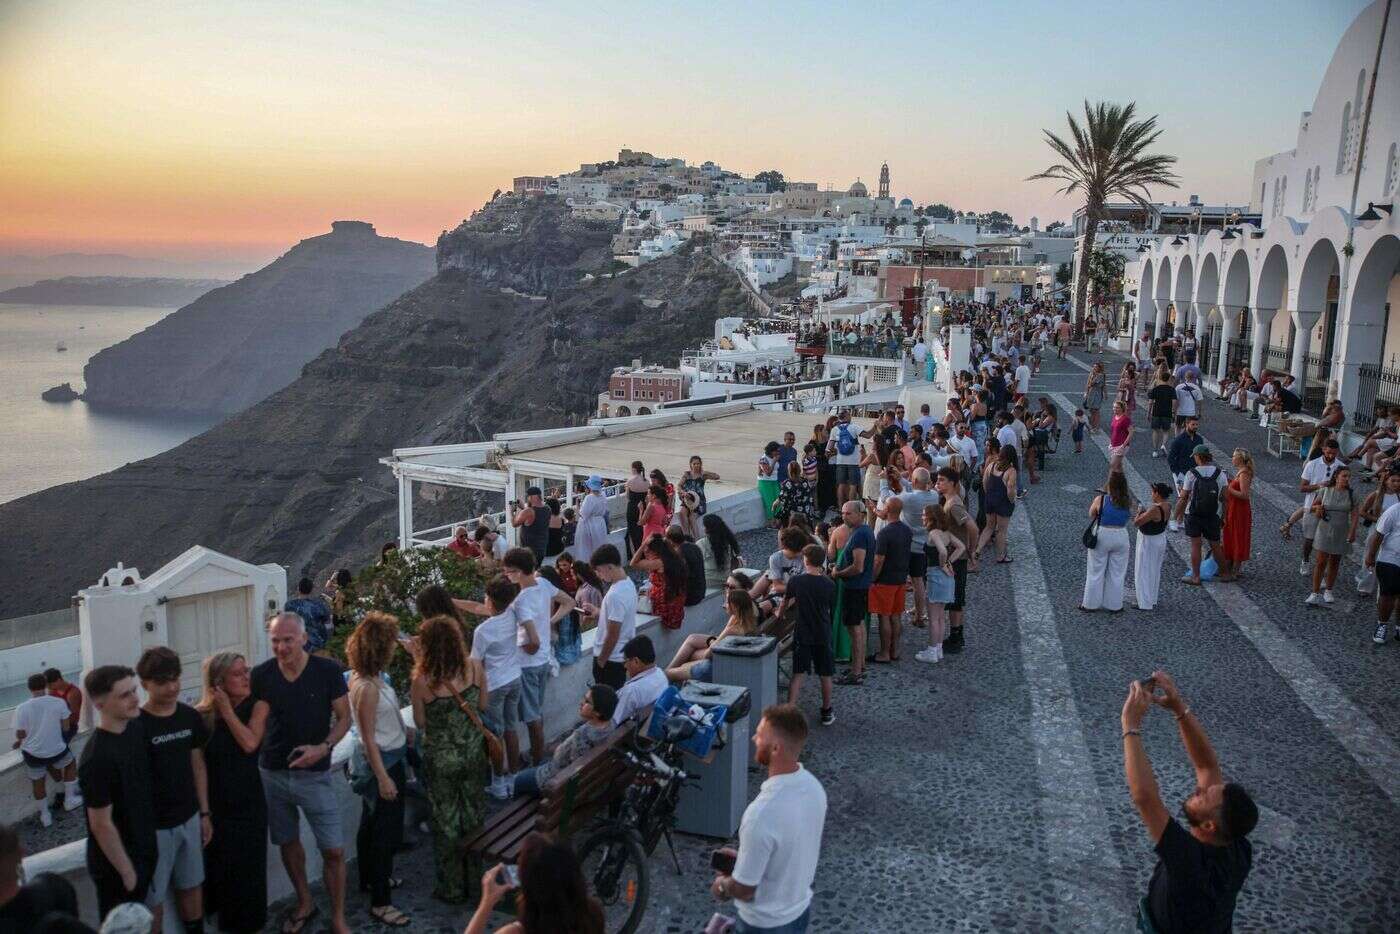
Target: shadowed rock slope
x,y
239,344
295,479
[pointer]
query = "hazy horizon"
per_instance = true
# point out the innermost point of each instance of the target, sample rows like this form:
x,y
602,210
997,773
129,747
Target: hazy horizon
x,y
216,133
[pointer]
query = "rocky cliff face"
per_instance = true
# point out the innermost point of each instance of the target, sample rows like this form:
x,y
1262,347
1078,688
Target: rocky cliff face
x,y
111,290
239,344
295,479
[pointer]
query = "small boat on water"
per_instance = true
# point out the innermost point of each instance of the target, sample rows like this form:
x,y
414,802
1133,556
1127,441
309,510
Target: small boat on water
x,y
60,348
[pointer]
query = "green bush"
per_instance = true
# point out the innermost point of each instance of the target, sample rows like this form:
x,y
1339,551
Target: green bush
x,y
391,585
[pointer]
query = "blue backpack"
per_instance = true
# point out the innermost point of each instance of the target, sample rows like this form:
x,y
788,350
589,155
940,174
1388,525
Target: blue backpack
x,y
845,441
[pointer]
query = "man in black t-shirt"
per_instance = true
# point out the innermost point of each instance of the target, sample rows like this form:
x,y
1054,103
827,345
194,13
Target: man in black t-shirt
x,y
1200,870
114,775
302,701
815,596
175,736
1161,399
893,546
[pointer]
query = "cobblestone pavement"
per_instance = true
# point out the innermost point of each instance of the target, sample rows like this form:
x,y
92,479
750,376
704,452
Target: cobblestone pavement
x,y
986,793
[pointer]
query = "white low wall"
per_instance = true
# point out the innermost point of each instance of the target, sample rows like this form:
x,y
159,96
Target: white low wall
x,y
17,664
561,715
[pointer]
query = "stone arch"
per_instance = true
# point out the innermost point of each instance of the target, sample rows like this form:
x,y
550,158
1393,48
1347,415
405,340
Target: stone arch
x,y
1372,286
1146,310
623,411
1271,313
1234,297
1162,296
643,411
1322,262
1208,284
1184,294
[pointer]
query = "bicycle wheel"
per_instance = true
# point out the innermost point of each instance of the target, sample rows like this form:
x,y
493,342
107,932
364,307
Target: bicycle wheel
x,y
615,869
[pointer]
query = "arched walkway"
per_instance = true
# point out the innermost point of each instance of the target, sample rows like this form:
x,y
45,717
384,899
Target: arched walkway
x,y
1162,297
1314,318
1234,306
1370,339
1146,308
1273,340
1184,295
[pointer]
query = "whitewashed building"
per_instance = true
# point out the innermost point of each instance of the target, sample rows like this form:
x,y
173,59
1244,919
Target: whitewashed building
x,y
1313,288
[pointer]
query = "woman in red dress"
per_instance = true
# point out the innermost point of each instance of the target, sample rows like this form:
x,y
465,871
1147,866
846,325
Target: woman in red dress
x,y
668,576
1234,542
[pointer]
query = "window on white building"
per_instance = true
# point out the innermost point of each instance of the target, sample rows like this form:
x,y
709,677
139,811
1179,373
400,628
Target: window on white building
x,y
1392,169
1343,139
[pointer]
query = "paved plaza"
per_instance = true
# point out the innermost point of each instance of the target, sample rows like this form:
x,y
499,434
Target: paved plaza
x,y
986,793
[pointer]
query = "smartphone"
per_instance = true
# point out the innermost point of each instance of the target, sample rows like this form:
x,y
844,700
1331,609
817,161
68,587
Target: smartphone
x,y
722,861
509,876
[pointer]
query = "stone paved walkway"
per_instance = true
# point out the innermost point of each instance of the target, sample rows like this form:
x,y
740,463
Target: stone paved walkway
x,y
986,793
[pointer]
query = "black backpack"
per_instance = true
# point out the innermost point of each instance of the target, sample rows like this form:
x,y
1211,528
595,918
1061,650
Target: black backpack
x,y
1205,494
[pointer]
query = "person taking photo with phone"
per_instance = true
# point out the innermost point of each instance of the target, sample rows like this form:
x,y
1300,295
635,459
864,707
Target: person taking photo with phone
x,y
550,892
1200,870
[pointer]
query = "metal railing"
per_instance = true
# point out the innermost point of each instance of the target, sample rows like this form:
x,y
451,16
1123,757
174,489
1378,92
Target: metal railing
x,y
1236,355
1376,388
1317,367
1278,359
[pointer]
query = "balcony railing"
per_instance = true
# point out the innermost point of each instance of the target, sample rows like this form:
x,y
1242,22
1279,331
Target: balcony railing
x,y
1377,388
876,348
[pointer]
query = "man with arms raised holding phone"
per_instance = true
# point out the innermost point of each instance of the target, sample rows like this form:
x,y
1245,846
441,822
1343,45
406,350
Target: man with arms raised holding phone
x,y
296,696
1200,870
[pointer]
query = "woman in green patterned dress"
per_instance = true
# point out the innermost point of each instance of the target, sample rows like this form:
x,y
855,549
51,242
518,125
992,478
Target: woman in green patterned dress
x,y
453,753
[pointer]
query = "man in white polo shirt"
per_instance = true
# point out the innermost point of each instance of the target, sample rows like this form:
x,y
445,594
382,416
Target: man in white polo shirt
x,y
644,684
780,837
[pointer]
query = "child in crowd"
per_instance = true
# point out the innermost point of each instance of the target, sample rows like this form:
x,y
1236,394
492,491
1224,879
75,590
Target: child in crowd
x,y
1077,431
815,597
944,546
494,645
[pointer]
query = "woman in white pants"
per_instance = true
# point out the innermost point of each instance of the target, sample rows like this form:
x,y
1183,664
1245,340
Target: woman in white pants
x,y
1151,546
1108,559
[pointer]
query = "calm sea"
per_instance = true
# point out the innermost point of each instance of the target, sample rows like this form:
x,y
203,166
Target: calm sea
x,y
43,444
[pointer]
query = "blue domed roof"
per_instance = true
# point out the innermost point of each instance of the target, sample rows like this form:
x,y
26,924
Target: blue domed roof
x,y
905,203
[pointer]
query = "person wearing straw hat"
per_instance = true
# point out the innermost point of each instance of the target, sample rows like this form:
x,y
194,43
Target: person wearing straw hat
x,y
592,518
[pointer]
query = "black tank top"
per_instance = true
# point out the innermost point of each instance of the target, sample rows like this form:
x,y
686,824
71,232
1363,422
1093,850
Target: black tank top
x,y
1155,527
535,536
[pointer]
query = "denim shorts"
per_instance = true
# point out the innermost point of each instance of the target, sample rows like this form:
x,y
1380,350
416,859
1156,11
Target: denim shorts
x,y
941,587
532,684
312,793
502,711
179,860
702,670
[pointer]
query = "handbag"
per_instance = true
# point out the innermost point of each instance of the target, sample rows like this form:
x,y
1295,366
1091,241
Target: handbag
x,y
1091,534
495,749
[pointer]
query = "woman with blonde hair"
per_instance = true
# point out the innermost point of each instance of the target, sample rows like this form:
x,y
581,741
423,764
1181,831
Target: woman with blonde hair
x,y
446,682
1235,537
692,661
235,877
378,768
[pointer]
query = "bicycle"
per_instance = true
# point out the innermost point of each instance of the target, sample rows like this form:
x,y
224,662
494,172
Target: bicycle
x,y
614,857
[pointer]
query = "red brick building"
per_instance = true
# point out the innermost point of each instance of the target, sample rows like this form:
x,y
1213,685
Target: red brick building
x,y
639,390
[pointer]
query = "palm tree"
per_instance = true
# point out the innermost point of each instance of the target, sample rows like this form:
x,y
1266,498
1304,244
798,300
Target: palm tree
x,y
1108,159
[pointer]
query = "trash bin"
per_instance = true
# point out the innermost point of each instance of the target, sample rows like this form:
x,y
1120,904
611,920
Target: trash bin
x,y
752,662
714,806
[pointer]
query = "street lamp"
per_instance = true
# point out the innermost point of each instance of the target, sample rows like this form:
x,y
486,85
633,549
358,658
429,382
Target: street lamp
x,y
1370,218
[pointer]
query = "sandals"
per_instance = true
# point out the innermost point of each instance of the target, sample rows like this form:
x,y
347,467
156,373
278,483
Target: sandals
x,y
293,923
389,916
851,678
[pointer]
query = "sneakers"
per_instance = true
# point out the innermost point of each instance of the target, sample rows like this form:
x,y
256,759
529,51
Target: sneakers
x,y
1156,454
932,655
1327,596
45,817
1304,569
1382,630
501,787
828,716
72,802
1313,599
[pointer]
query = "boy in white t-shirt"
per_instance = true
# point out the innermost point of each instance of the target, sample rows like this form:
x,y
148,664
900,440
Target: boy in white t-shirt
x,y
616,618
39,724
494,644
538,609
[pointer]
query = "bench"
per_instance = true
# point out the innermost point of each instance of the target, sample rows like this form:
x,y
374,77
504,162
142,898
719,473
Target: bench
x,y
782,628
567,803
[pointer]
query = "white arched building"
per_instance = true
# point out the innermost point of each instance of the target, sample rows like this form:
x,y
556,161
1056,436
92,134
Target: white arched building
x,y
1314,291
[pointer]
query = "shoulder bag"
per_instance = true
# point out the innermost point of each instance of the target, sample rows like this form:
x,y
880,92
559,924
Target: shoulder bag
x,y
495,749
1091,533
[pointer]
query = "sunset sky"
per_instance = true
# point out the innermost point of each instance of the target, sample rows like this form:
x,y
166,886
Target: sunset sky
x,y
230,130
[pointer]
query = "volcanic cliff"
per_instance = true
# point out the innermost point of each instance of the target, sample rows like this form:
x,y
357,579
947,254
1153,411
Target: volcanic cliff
x,y
295,479
238,344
